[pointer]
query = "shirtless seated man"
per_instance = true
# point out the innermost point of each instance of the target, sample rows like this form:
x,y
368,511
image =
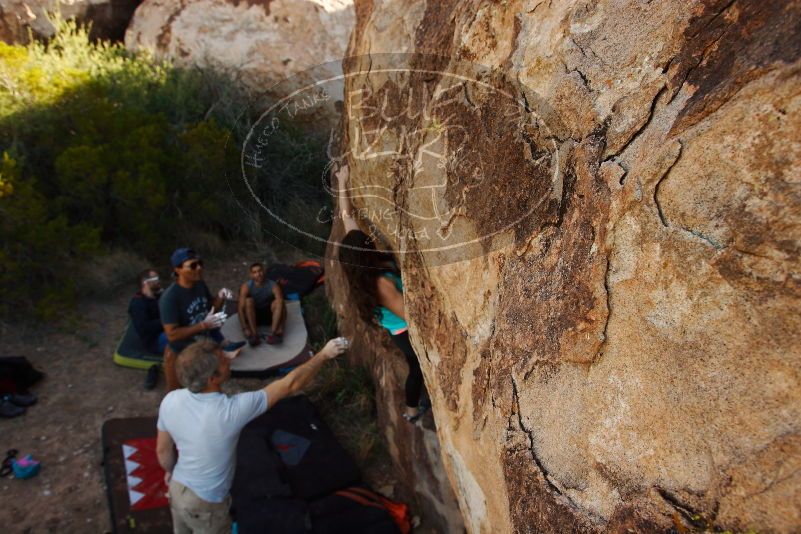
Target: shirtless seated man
x,y
261,302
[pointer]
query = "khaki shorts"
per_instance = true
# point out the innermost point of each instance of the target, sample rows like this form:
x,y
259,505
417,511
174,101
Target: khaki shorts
x,y
191,514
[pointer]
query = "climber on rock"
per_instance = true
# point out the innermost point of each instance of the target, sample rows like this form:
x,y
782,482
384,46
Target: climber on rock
x,y
377,289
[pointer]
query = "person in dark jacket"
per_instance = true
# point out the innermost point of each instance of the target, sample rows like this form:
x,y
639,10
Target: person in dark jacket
x,y
144,312
146,319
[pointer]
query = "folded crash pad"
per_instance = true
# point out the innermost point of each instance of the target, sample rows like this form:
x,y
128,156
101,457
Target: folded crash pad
x,y
265,359
131,352
134,480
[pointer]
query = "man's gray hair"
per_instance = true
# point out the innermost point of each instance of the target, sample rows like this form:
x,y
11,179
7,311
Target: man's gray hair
x,y
196,364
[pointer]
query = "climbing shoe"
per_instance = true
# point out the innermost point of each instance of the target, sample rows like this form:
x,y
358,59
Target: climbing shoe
x,y
9,409
273,339
233,346
22,399
424,406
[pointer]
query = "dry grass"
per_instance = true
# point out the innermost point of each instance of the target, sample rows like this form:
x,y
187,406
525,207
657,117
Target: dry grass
x,y
343,393
110,273
345,396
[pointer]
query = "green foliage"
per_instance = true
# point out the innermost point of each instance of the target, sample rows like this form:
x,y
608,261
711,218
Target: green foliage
x,y
346,397
37,245
321,320
344,393
106,149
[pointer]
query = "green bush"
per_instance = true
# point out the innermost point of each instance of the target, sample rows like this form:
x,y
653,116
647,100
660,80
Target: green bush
x,y
103,149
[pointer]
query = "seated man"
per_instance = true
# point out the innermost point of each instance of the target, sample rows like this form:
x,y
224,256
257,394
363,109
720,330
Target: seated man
x,y
205,424
146,320
261,302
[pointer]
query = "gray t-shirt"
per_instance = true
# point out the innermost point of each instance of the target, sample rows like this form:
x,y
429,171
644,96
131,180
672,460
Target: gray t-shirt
x,y
262,296
205,428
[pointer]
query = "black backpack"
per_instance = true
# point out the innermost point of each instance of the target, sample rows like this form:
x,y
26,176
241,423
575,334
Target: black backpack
x,y
17,374
301,278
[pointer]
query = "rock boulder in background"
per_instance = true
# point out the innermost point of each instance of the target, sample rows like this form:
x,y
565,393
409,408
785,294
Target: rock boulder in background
x,y
259,42
109,18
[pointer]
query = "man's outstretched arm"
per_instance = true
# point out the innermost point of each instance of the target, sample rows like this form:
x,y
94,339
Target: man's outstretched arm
x,y
294,382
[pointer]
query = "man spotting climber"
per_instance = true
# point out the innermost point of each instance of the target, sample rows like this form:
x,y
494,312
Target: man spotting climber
x,y
261,302
205,424
188,311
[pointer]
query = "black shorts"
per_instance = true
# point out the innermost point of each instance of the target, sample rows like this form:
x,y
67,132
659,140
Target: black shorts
x,y
264,316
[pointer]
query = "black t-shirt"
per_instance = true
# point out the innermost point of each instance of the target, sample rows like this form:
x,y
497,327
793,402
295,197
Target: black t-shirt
x,y
184,307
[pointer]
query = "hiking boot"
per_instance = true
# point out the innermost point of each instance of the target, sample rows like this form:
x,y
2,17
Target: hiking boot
x,y
9,409
254,341
22,399
233,346
152,377
273,339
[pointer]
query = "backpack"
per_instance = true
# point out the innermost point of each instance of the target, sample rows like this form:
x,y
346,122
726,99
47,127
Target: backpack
x,y
301,278
398,511
17,374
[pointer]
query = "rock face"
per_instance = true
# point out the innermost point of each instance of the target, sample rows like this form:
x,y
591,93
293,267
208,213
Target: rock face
x,y
414,450
611,341
260,41
109,18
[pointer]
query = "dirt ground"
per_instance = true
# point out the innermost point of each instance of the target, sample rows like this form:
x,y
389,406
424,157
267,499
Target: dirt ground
x,y
82,389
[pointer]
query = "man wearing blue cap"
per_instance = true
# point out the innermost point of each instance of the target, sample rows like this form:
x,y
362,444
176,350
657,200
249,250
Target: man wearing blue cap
x,y
187,311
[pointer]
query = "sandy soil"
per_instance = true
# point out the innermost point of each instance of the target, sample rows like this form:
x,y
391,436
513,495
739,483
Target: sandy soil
x,y
82,389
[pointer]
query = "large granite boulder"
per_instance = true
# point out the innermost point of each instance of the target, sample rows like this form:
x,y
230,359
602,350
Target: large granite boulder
x,y
415,450
260,43
599,231
109,18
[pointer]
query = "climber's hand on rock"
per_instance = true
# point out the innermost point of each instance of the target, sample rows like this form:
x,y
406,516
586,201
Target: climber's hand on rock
x,y
343,177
